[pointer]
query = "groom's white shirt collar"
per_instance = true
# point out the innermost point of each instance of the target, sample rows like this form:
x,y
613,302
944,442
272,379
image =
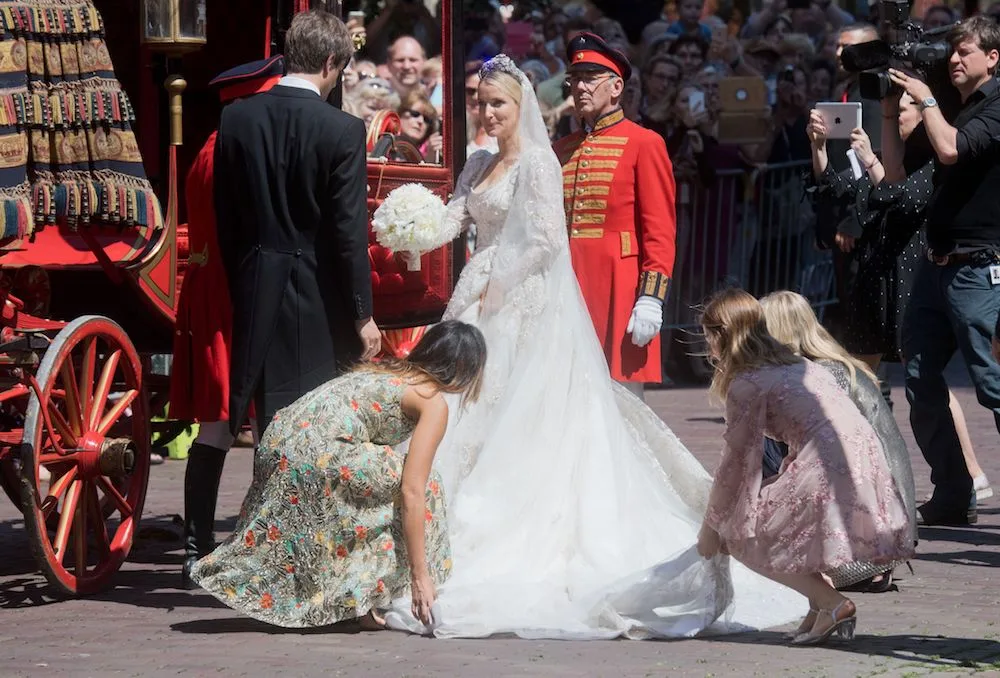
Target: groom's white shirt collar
x,y
299,83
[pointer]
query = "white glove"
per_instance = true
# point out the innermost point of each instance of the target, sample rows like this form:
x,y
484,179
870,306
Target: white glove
x,y
646,320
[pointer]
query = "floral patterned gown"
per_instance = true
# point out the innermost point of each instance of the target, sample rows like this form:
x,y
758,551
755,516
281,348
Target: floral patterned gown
x,y
319,538
834,501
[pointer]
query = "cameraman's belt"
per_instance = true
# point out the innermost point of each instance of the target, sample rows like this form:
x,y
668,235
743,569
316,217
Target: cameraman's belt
x,y
981,257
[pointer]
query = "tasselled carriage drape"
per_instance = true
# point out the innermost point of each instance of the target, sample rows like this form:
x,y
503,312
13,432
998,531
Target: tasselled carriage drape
x,y
67,150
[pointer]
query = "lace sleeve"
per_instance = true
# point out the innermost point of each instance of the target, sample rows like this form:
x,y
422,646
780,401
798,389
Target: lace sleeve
x,y
457,219
732,503
535,229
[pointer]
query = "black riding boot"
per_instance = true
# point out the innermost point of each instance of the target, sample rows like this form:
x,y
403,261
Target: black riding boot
x,y
201,492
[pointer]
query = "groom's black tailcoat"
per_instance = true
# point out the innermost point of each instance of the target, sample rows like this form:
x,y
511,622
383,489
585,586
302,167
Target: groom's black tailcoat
x,y
290,199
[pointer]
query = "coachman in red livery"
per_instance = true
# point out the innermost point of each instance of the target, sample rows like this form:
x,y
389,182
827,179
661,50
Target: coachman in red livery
x,y
618,186
199,388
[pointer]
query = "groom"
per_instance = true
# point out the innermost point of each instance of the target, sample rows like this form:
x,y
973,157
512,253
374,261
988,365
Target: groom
x,y
290,198
618,187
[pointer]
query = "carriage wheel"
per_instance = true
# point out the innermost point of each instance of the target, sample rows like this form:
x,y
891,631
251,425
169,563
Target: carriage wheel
x,y
81,527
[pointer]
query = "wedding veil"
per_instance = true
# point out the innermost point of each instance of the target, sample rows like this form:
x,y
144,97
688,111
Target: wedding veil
x,y
534,232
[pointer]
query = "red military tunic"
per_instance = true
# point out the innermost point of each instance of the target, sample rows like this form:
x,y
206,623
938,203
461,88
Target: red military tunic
x,y
618,186
199,383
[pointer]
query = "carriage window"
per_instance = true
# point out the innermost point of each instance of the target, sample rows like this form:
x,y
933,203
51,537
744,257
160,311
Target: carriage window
x,y
396,81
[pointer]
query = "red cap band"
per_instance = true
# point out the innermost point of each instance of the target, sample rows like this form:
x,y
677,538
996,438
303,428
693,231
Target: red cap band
x,y
588,56
247,87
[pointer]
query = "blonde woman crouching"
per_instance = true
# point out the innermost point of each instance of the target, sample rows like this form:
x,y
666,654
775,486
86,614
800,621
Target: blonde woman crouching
x,y
834,501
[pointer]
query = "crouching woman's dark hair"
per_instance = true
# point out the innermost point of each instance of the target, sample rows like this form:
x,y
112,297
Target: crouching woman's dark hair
x,y
451,356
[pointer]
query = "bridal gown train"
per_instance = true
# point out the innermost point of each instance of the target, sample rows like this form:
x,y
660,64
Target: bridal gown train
x,y
572,510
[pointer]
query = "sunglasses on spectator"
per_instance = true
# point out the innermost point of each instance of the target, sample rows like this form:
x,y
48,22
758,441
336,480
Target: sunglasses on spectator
x,y
411,113
365,76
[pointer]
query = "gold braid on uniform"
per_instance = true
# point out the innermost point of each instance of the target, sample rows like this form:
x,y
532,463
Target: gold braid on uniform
x,y
653,284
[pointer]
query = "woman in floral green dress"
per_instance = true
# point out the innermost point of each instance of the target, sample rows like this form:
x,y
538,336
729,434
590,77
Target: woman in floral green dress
x,y
336,522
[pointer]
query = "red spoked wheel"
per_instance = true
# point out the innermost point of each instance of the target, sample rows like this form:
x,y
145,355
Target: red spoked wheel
x,y
90,428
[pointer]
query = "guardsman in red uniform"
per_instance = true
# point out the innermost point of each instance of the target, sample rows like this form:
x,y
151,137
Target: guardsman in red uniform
x,y
199,384
618,186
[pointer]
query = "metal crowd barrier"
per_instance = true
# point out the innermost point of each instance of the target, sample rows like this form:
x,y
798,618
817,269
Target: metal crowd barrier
x,y
753,230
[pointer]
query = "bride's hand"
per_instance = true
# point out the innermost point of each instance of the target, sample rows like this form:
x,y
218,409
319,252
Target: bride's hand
x,y
709,542
422,597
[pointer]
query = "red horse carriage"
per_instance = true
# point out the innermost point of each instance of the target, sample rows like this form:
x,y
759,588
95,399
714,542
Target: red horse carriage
x,y
89,275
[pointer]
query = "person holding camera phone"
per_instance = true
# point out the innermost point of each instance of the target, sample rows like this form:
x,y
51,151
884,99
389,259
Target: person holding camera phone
x,y
956,295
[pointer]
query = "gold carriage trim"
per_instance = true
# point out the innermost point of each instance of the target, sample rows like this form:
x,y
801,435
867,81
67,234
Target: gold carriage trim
x,y
653,284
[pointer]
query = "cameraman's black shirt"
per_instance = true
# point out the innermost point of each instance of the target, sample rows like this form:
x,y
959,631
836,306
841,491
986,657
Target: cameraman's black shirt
x,y
965,208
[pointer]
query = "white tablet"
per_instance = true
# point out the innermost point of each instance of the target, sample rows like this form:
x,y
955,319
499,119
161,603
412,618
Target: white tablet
x,y
840,118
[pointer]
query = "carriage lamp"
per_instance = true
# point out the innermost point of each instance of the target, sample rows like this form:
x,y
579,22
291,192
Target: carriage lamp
x,y
174,27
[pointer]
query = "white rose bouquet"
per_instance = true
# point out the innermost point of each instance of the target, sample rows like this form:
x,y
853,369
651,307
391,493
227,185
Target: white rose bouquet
x,y
411,220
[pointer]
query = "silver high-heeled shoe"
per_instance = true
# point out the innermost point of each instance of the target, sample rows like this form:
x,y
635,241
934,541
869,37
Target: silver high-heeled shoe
x,y
842,627
806,626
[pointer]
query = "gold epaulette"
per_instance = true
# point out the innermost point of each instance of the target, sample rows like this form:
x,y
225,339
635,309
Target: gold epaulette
x,y
653,284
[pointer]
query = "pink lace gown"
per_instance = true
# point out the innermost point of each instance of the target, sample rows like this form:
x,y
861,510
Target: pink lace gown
x,y
834,501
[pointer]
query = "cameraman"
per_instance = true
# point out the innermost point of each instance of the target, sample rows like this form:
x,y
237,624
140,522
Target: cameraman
x,y
956,296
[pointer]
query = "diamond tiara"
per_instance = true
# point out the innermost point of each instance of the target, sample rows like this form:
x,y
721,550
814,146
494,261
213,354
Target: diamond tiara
x,y
503,64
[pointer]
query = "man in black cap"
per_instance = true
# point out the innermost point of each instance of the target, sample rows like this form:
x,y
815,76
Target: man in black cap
x,y
291,200
619,197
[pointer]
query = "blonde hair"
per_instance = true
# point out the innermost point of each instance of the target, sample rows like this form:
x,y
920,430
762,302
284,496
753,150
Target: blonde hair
x,y
505,82
373,90
790,320
734,326
432,68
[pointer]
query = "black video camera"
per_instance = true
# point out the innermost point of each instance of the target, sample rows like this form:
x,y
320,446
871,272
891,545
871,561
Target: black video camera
x,y
902,45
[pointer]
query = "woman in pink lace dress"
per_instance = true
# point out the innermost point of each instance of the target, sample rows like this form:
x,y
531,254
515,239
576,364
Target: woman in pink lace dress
x,y
834,500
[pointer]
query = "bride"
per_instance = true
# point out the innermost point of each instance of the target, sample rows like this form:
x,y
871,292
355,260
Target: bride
x,y
573,510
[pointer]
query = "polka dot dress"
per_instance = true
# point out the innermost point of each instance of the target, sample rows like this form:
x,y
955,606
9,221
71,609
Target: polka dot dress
x,y
889,254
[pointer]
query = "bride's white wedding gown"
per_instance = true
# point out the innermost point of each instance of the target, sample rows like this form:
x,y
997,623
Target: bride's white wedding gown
x,y
565,492
573,511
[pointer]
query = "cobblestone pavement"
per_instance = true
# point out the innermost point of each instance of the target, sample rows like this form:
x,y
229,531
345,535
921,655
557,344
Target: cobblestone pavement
x,y
945,618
